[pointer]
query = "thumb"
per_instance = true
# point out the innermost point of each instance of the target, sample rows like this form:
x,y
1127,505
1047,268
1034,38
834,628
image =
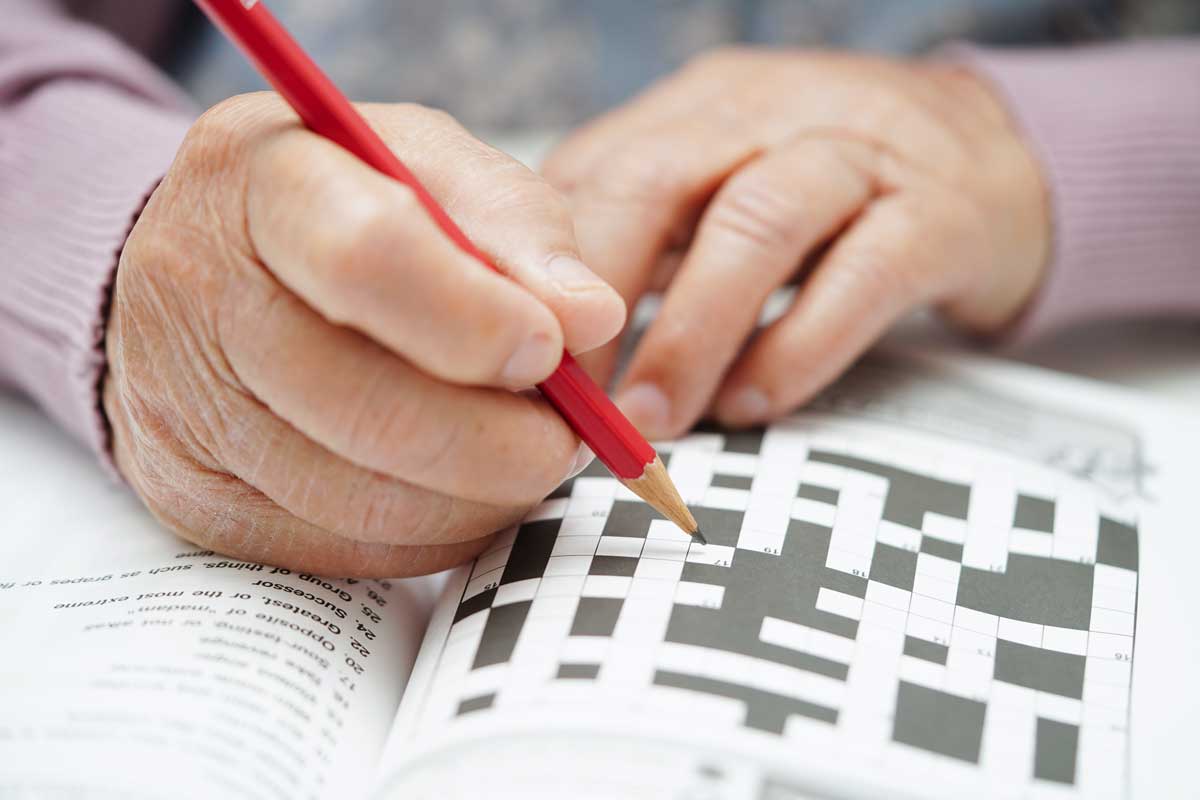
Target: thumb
x,y
510,213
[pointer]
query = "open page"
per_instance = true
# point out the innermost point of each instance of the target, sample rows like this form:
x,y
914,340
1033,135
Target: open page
x,y
136,665
945,578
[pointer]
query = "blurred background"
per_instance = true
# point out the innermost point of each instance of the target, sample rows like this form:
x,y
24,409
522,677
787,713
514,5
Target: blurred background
x,y
504,65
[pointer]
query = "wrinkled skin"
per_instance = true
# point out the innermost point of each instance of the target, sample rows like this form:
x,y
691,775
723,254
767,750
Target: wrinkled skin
x,y
304,371
897,185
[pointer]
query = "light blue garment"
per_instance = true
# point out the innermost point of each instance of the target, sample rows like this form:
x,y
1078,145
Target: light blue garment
x,y
503,63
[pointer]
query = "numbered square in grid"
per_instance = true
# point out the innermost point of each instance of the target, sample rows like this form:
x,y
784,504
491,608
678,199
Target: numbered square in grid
x,y
718,555
516,592
1108,671
482,583
584,506
553,508
760,541
1110,645
848,562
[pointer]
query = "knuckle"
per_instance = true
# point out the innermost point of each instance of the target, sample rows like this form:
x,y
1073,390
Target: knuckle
x,y
561,168
513,189
877,270
757,213
225,128
434,117
551,206
370,230
672,344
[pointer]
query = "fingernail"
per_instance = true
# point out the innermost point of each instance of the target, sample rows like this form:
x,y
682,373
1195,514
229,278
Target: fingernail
x,y
527,364
572,275
583,457
647,408
749,405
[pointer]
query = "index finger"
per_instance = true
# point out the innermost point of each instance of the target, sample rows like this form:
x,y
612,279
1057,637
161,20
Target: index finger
x,y
628,210
359,248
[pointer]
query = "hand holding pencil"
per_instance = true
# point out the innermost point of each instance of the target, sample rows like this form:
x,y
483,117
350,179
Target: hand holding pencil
x,y
306,372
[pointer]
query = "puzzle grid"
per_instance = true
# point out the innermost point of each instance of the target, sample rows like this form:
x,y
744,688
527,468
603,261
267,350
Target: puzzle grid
x,y
887,602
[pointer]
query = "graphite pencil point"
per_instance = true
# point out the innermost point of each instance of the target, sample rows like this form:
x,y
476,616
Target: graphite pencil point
x,y
699,537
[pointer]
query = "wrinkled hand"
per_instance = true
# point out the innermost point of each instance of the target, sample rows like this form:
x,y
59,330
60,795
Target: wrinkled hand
x,y
883,185
305,371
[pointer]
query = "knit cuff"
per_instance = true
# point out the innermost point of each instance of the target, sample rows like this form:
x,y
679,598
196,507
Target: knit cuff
x,y
1117,132
79,159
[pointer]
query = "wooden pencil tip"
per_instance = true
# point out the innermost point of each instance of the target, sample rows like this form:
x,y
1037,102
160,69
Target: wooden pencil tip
x,y
657,489
699,536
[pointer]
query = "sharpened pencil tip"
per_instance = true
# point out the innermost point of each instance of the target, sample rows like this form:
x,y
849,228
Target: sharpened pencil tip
x,y
699,537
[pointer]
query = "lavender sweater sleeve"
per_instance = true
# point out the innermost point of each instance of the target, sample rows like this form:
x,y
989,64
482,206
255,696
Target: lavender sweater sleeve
x,y
86,129
1117,132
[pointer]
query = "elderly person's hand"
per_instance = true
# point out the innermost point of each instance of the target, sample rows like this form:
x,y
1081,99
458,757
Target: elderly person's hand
x,y
305,371
883,185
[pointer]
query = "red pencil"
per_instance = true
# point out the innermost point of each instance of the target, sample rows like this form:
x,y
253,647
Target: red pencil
x,y
327,112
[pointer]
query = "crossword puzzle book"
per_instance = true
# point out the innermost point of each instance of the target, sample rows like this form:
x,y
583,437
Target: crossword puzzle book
x,y
947,577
